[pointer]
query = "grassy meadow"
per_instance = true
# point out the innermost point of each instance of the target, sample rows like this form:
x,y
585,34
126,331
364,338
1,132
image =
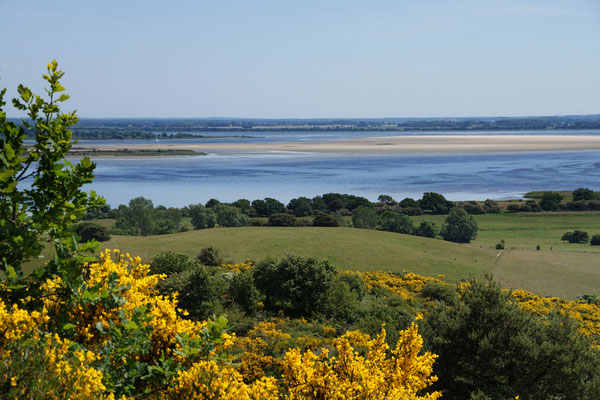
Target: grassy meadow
x,y
558,269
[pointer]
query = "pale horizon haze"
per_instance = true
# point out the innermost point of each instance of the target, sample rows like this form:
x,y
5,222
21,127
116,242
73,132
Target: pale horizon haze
x,y
309,59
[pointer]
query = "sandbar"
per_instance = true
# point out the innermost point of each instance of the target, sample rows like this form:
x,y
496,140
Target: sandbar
x,y
417,144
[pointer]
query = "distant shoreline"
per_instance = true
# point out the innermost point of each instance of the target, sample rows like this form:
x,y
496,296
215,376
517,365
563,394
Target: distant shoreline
x,y
380,145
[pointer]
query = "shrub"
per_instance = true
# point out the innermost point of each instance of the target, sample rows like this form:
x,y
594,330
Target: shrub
x,y
169,263
440,292
595,240
230,216
513,208
355,283
550,201
491,207
459,227
322,219
364,218
500,246
243,291
296,283
576,236
503,350
256,222
202,217
427,229
473,208
89,231
396,222
583,194
210,256
283,219
435,203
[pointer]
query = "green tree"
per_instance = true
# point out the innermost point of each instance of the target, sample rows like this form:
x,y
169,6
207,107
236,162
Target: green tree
x,y
202,217
138,218
550,201
583,194
230,216
427,229
295,283
459,226
364,217
396,222
40,191
435,203
386,199
486,344
283,219
322,219
300,206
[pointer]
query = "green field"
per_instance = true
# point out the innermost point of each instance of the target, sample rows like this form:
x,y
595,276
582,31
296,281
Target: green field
x,y
568,270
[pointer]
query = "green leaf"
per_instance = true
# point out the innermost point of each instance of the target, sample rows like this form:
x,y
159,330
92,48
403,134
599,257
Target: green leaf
x,y
68,327
130,326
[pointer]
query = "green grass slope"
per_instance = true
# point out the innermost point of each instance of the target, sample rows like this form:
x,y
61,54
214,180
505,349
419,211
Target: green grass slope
x,y
565,271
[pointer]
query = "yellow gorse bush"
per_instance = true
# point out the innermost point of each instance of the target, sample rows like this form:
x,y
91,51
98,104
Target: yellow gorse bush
x,y
348,375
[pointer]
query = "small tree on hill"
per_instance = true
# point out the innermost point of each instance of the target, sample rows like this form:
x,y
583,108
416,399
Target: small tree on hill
x,y
459,227
364,217
396,222
550,201
583,194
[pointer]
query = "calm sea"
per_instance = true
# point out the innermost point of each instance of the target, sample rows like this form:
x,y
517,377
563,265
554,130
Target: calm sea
x,y
179,181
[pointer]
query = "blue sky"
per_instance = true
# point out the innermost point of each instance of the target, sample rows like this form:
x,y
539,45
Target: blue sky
x,y
275,59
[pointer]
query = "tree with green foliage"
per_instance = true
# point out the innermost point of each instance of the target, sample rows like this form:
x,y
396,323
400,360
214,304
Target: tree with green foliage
x,y
395,222
88,231
435,203
202,217
40,191
427,229
300,206
364,217
459,226
386,199
489,347
595,240
298,284
322,219
550,201
243,205
283,219
230,216
137,218
583,194
576,236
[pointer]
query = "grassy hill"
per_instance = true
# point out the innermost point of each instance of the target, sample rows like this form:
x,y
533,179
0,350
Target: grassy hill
x,y
567,270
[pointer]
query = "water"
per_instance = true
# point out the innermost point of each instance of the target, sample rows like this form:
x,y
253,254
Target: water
x,y
179,181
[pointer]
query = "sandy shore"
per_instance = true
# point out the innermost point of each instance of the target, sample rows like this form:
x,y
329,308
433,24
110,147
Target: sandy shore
x,y
391,145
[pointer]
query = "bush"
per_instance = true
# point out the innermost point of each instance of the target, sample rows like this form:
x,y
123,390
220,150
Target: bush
x,y
513,208
210,256
283,219
169,263
364,218
502,350
355,283
473,208
243,291
435,203
89,231
396,222
202,217
583,194
322,219
459,227
427,229
491,207
295,283
439,292
550,201
595,240
576,237
500,246
230,216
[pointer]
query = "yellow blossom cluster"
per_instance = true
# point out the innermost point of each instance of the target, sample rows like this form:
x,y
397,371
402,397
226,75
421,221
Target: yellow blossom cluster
x,y
588,315
240,267
36,364
348,375
138,288
209,380
407,285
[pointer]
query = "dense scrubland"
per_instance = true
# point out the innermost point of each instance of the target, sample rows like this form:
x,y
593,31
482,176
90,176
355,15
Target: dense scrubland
x,y
278,326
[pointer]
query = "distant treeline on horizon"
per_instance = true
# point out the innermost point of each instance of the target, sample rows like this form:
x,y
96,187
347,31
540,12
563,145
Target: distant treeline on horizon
x,y
147,128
